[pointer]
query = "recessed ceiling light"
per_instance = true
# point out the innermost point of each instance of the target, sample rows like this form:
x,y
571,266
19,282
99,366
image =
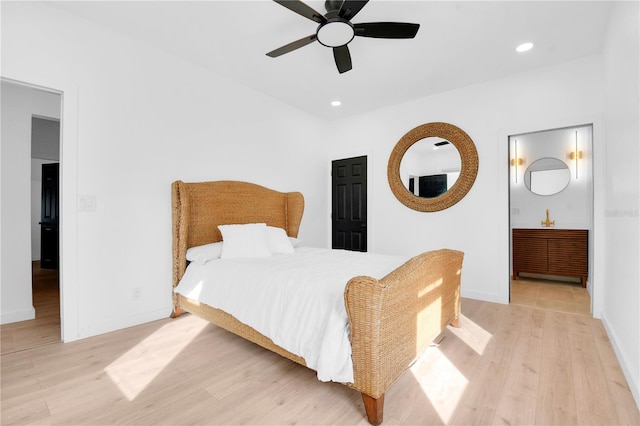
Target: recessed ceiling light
x,y
524,47
336,103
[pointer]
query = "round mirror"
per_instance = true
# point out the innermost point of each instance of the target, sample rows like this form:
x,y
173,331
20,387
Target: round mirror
x,y
430,167
547,176
424,137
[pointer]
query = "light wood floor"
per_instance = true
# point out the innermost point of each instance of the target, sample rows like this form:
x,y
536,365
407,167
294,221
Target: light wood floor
x,y
559,296
45,328
506,364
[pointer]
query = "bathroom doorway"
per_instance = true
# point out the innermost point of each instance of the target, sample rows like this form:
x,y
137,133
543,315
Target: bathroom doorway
x,y
551,219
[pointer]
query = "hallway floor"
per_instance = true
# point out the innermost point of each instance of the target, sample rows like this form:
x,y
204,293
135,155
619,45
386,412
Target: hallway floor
x,y
558,296
45,328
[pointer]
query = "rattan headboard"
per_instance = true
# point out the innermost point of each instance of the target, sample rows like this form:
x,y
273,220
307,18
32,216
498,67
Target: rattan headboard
x,y
198,209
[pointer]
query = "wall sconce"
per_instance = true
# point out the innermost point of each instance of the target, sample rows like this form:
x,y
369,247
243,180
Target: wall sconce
x,y
516,161
576,154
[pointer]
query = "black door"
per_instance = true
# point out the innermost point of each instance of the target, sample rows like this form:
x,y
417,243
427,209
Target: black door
x,y
49,217
349,203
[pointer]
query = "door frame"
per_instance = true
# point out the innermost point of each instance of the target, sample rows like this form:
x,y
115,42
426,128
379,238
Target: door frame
x,y
44,161
597,251
68,249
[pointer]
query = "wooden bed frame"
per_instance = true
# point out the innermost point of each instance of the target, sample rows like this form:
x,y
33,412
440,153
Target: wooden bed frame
x,y
393,320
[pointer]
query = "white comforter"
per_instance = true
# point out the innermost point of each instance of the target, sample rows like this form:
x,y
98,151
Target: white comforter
x,y
297,300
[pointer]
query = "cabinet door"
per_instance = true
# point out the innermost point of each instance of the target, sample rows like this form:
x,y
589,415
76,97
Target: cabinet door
x,y
568,257
530,255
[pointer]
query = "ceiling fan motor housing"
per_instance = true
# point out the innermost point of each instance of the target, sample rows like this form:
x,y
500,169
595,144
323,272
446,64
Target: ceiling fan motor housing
x,y
333,6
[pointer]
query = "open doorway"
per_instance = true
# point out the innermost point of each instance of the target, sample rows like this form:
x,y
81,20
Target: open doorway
x,y
31,313
551,219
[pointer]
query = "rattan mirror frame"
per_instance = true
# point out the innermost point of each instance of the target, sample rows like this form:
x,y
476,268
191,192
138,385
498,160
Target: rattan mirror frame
x,y
468,169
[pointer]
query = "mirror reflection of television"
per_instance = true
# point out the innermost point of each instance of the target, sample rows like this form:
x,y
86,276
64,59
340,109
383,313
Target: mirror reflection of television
x,y
429,186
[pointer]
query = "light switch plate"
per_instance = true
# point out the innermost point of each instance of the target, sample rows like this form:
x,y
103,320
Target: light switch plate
x,y
87,203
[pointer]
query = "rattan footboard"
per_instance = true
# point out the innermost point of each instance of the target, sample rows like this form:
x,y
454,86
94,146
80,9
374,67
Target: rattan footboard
x,y
393,320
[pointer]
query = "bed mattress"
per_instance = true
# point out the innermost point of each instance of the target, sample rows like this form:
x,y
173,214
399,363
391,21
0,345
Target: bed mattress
x,y
297,300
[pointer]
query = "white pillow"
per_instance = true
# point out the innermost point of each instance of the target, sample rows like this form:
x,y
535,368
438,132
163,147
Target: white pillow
x,y
279,242
244,241
295,242
204,253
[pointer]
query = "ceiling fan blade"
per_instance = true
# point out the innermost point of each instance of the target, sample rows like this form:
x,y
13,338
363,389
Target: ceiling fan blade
x,y
292,46
343,58
350,8
386,29
302,9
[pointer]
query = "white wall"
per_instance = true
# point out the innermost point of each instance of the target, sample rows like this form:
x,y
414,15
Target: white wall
x,y
134,120
621,315
490,112
18,105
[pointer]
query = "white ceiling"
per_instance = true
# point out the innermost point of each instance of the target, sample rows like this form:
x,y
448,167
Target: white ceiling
x,y
458,44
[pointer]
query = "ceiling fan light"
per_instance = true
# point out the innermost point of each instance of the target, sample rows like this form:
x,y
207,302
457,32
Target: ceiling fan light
x,y
336,103
335,34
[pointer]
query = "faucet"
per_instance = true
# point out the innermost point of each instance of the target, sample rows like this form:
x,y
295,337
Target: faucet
x,y
548,223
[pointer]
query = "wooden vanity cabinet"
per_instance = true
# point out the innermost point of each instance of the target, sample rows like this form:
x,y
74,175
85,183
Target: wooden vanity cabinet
x,y
562,252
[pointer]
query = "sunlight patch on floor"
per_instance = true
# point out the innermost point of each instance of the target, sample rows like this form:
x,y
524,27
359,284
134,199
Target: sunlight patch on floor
x,y
439,378
135,369
476,337
445,385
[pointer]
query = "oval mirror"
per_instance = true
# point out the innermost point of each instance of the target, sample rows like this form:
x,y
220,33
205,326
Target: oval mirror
x,y
547,176
430,167
433,133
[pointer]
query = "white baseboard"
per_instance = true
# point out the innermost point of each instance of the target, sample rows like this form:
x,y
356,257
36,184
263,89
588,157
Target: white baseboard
x,y
20,315
115,324
485,297
624,365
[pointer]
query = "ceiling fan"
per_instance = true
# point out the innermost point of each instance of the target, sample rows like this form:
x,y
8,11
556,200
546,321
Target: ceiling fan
x,y
336,30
